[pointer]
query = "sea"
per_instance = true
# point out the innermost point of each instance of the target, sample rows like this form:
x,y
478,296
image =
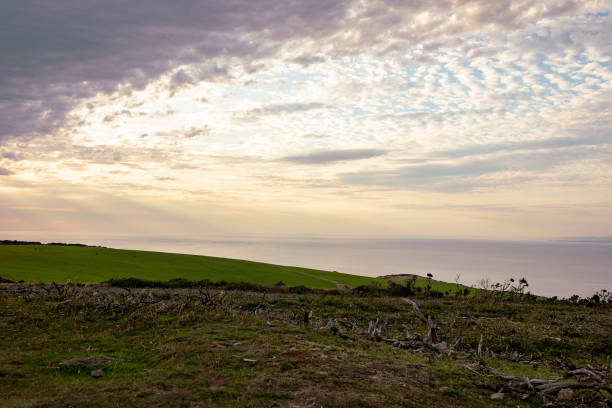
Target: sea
x,y
556,268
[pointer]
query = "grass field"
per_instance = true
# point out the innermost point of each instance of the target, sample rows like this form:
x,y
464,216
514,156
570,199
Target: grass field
x,y
46,263
250,349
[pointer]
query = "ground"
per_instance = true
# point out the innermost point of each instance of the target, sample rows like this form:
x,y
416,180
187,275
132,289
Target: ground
x,y
183,348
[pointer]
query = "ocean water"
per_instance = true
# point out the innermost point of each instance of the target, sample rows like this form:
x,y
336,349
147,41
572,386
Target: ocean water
x,y
559,268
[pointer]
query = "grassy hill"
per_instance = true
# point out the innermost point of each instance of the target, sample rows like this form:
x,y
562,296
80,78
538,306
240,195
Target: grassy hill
x,y
47,263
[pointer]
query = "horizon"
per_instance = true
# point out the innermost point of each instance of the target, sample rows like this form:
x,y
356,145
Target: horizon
x,y
446,120
552,268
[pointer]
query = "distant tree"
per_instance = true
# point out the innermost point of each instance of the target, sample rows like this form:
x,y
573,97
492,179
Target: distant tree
x,y
428,287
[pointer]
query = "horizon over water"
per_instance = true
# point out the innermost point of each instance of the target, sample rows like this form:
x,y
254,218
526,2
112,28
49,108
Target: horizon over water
x,y
554,268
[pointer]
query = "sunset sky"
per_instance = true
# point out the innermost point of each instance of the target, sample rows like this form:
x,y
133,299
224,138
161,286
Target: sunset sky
x,y
238,118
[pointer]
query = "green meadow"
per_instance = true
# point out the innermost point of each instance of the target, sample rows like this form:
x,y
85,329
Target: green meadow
x,y
61,264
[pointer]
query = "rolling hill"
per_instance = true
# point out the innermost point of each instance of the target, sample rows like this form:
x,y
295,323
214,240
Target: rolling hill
x,y
51,263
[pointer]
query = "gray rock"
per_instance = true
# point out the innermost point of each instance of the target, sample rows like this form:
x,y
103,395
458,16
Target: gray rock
x,y
498,396
97,373
566,394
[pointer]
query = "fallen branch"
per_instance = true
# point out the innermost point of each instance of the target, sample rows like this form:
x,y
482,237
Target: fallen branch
x,y
432,329
553,388
583,371
548,387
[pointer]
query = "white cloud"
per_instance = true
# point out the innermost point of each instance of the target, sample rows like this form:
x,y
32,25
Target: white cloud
x,y
444,97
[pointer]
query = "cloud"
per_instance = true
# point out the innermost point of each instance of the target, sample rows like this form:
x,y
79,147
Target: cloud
x,y
54,54
529,145
447,96
76,52
276,110
5,172
12,156
306,60
469,174
197,132
197,73
426,176
314,136
333,156
124,113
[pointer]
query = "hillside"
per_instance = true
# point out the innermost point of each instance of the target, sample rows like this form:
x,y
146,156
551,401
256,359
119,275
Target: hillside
x,y
76,264
99,346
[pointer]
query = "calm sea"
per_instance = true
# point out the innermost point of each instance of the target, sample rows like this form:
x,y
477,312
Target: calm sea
x,y
551,268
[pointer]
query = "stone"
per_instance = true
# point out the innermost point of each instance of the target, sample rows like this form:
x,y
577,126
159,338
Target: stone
x,y
566,394
97,373
498,396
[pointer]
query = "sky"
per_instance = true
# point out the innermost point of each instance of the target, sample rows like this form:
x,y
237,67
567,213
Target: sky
x,y
235,118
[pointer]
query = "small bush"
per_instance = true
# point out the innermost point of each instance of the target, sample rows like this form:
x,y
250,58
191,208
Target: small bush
x,y
245,286
301,290
368,290
397,289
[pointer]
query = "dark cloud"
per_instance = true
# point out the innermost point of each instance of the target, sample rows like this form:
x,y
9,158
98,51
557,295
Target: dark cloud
x,y
276,109
125,113
332,156
189,133
5,172
601,138
306,60
426,176
283,108
197,132
473,173
12,156
54,53
184,166
115,155
198,73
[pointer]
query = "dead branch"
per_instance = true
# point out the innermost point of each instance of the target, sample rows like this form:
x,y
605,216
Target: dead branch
x,y
432,329
553,388
374,330
583,371
549,387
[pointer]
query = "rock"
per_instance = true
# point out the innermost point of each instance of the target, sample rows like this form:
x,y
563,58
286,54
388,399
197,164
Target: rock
x,y
498,396
442,347
97,373
566,394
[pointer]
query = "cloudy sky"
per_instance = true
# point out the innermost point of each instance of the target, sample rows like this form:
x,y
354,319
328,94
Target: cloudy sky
x,y
235,118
